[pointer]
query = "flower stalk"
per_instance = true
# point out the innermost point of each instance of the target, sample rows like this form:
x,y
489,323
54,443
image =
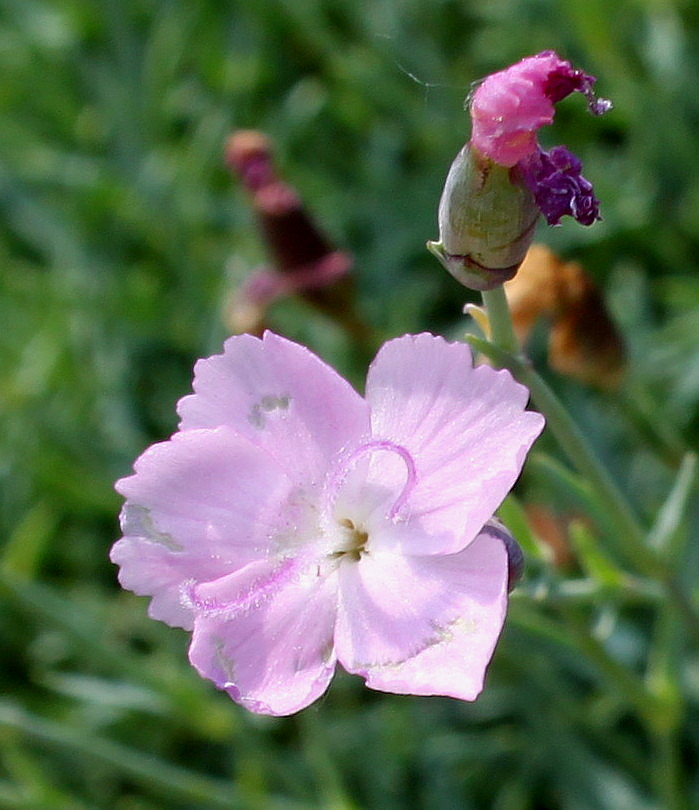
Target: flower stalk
x,y
629,534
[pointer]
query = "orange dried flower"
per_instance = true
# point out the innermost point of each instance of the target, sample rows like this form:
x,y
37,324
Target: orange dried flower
x,y
584,342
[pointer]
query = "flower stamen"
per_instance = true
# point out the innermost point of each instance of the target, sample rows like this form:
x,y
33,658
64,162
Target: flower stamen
x,y
356,540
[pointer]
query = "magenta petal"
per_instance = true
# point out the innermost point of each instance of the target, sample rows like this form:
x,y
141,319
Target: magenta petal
x,y
466,429
200,505
272,649
279,395
508,107
423,625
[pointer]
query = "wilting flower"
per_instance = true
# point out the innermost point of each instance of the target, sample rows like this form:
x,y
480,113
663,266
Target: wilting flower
x,y
502,179
303,260
509,107
292,523
584,342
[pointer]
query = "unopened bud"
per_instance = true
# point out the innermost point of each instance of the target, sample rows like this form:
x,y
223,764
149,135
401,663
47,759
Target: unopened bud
x,y
486,221
515,557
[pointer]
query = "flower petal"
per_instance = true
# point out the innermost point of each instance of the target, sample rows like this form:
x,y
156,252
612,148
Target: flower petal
x,y
423,625
281,396
199,506
466,429
559,188
508,107
272,651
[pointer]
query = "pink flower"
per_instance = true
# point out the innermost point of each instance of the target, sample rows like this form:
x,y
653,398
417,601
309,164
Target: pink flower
x,y
291,523
507,110
509,107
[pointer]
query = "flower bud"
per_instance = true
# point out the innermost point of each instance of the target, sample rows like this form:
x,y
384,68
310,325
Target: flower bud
x,y
486,221
502,179
515,556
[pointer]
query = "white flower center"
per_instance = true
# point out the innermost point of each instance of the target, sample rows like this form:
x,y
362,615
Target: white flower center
x,y
355,540
351,505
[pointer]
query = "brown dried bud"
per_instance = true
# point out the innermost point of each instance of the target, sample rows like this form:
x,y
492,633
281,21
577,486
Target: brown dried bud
x,y
584,342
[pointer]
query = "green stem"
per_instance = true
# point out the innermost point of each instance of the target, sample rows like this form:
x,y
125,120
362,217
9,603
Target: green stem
x,y
501,332
566,431
628,532
629,535
663,680
668,768
630,689
318,753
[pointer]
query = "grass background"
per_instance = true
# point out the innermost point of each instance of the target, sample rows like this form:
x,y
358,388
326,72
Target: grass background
x,y
122,239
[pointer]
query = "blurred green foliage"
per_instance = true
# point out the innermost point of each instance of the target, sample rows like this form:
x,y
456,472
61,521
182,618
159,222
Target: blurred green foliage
x,y
123,237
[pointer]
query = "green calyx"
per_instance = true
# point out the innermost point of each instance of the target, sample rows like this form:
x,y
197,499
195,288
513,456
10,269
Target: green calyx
x,y
486,221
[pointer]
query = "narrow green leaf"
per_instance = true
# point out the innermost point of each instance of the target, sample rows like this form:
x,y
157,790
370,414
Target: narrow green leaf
x,y
153,772
515,518
673,512
596,563
24,548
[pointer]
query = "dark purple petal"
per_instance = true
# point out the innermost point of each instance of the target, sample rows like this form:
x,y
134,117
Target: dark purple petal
x,y
559,189
565,79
